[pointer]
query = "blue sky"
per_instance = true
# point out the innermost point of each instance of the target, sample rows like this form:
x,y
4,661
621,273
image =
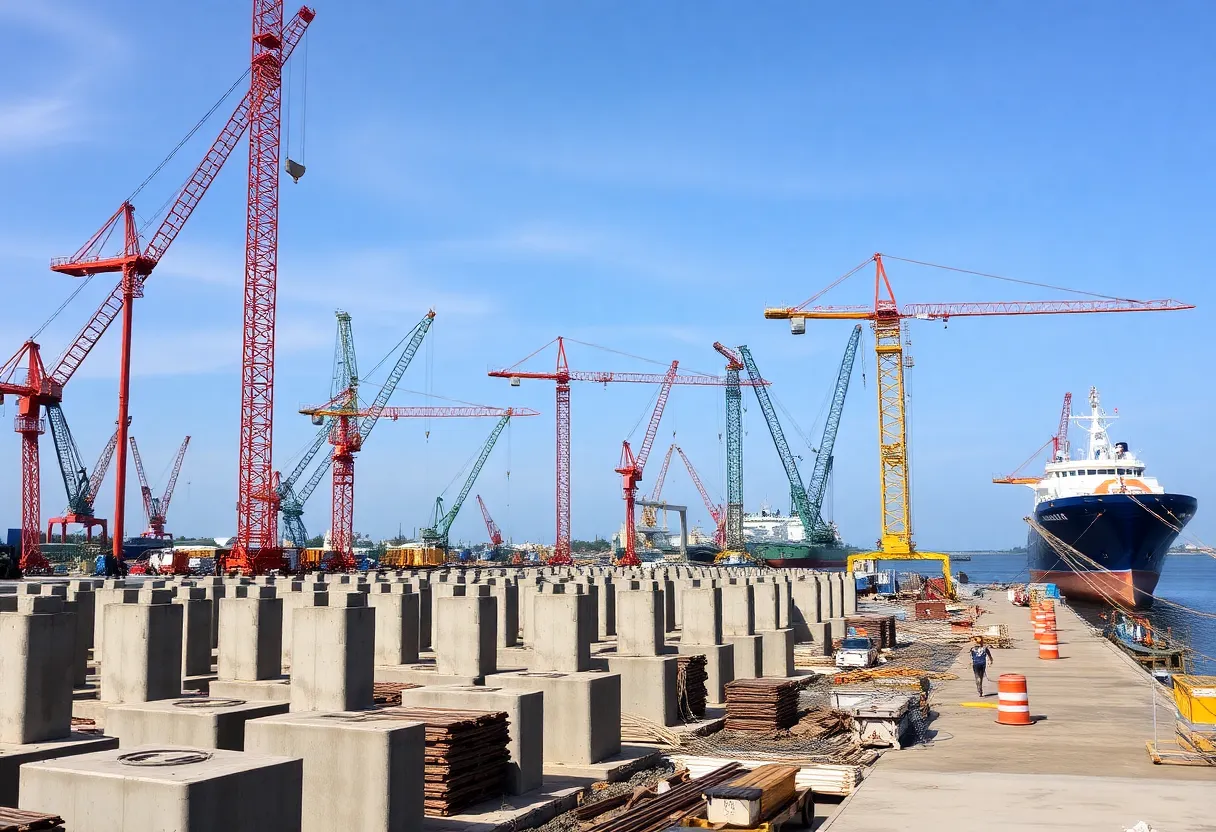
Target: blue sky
x,y
647,177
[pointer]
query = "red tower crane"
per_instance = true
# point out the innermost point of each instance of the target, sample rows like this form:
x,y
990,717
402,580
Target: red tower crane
x,y
136,266
563,375
631,468
257,548
157,508
715,510
491,527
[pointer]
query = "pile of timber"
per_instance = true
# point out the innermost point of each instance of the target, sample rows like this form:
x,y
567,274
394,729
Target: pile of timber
x,y
761,704
691,688
752,797
466,756
881,628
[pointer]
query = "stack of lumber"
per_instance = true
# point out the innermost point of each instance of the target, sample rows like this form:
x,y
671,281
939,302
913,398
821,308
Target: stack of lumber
x,y
881,628
822,778
665,810
466,756
752,797
761,704
691,688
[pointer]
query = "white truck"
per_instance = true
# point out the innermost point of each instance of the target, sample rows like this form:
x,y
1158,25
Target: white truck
x,y
856,651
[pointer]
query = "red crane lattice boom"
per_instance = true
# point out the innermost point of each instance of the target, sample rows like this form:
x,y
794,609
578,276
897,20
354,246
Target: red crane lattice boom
x,y
715,510
631,467
491,527
563,375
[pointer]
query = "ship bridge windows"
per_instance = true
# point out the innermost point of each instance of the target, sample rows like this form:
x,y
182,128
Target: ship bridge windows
x,y
1091,472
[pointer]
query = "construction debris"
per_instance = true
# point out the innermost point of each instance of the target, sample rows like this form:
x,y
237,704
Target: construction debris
x,y
880,628
668,808
761,704
389,693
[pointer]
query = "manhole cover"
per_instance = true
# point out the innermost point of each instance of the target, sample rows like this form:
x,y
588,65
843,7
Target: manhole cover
x,y
164,757
208,703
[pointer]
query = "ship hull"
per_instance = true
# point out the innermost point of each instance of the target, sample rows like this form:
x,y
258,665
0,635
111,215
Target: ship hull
x,y
801,556
1122,542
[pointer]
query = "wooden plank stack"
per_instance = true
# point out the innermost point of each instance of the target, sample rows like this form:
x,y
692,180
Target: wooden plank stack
x,y
761,704
389,693
693,677
752,797
466,756
17,820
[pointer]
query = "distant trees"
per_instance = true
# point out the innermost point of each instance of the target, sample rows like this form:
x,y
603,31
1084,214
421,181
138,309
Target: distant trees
x,y
590,547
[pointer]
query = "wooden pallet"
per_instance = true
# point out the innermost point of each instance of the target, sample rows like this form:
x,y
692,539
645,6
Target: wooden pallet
x,y
1178,754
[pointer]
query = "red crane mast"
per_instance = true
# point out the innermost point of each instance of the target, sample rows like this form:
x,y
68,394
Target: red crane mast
x,y
631,468
257,546
563,375
136,266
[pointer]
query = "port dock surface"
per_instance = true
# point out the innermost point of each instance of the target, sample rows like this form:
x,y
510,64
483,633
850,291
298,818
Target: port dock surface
x,y
1082,765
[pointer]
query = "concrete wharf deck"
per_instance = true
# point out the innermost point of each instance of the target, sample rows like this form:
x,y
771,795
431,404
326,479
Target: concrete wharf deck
x,y
1082,765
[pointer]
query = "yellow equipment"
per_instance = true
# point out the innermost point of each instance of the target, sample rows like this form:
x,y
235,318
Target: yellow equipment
x,y
886,317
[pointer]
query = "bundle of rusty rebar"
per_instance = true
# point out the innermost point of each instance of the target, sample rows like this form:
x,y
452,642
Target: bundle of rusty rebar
x,y
691,688
466,756
668,808
18,820
761,704
389,693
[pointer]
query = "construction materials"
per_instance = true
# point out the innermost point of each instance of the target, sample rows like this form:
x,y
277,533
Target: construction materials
x,y
762,704
389,693
931,611
466,756
881,719
17,820
822,778
751,797
690,685
1195,699
668,808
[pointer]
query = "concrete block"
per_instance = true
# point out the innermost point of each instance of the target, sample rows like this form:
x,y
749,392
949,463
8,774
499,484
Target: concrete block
x,y
299,594
197,612
642,622
396,626
749,656
825,597
113,591
777,649
192,722
525,720
333,654
14,756
605,618
719,667
37,653
785,605
850,596
837,626
582,713
836,579
767,600
251,636
361,773
132,790
804,612
561,639
820,636
81,592
648,686
738,610
506,596
702,611
143,647
264,690
467,643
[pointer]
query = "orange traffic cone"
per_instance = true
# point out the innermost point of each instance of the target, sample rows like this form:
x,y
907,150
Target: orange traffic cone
x,y
1013,703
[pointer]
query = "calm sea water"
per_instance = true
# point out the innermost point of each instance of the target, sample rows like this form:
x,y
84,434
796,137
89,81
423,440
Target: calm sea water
x,y
1189,580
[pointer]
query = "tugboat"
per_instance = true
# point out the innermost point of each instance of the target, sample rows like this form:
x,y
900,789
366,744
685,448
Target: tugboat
x,y
1118,522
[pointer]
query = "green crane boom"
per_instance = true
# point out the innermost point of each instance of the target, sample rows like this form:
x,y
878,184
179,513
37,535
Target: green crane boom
x,y
437,534
797,492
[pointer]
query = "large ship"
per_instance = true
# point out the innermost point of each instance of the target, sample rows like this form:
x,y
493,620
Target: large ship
x,y
1110,523
780,541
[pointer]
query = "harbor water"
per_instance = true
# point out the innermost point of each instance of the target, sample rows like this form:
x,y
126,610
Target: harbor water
x,y
1188,580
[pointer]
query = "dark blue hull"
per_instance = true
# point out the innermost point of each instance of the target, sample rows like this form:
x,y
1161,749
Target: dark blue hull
x,y
1126,537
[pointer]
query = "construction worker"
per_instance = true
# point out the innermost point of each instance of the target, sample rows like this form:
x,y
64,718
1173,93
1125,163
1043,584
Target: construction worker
x,y
981,657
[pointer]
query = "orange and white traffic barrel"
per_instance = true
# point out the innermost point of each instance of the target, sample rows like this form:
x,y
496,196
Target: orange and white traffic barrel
x,y
1038,622
1049,645
1013,704
1049,621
